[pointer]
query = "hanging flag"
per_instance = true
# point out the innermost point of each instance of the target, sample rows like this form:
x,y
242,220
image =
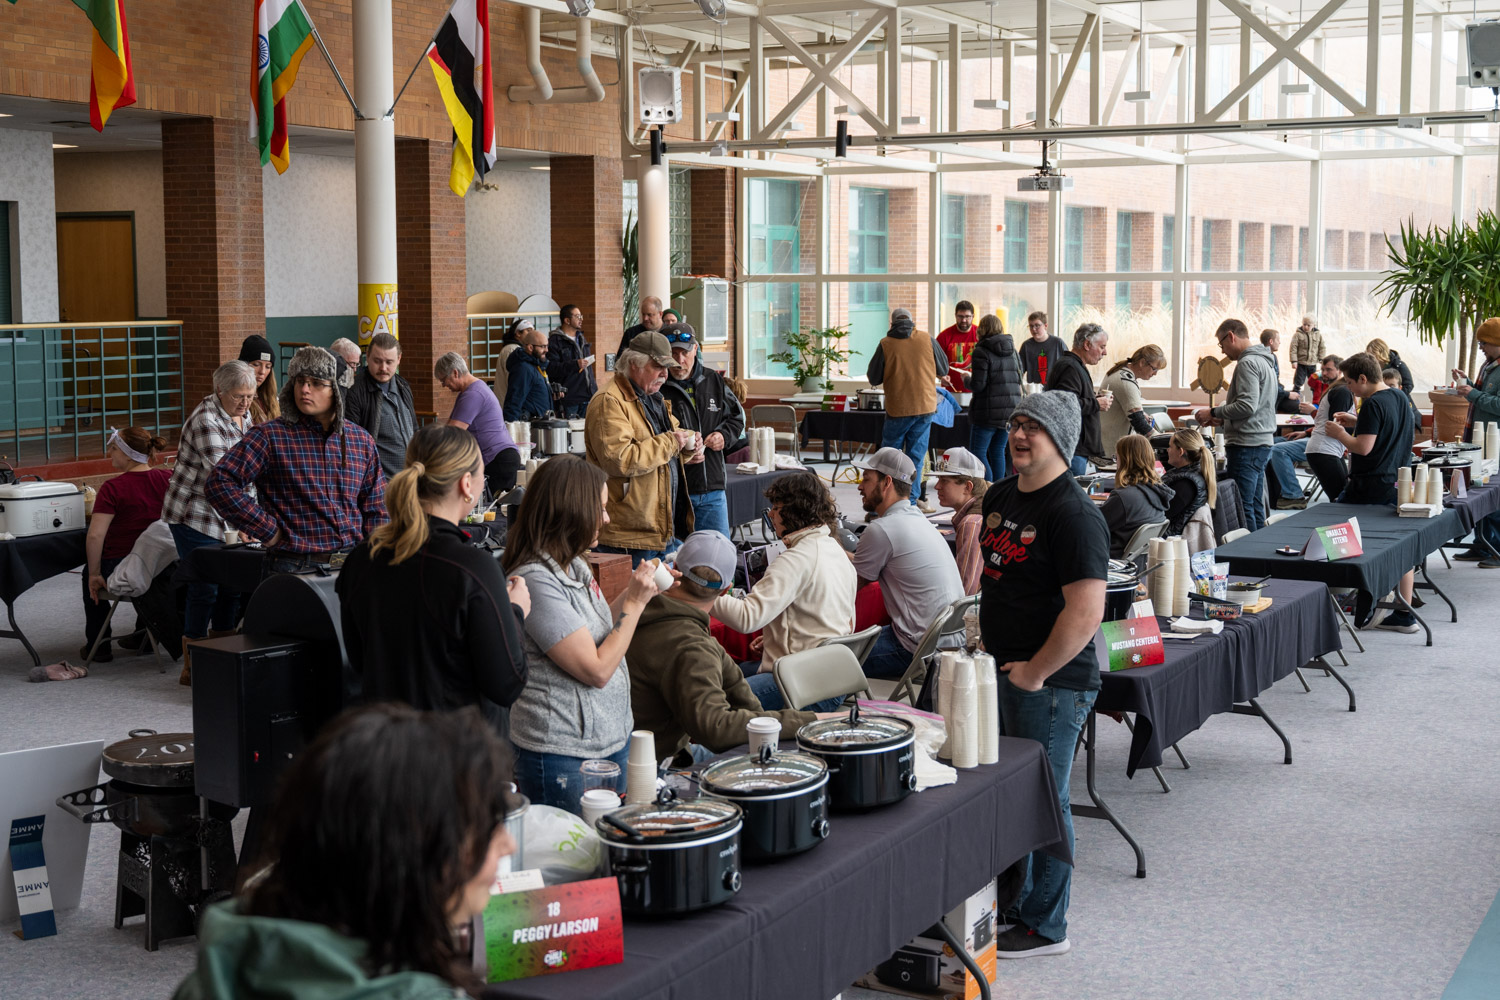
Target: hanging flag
x,y
460,59
111,78
283,34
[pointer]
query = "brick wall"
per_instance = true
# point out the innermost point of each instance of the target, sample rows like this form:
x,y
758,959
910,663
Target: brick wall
x,y
430,258
713,211
215,248
586,232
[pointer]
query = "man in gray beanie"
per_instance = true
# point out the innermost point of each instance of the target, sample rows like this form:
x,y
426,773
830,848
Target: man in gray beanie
x,y
908,363
308,484
1045,551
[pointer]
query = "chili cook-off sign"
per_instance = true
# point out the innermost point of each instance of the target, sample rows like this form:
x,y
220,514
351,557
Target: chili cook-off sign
x,y
1132,642
562,927
1334,542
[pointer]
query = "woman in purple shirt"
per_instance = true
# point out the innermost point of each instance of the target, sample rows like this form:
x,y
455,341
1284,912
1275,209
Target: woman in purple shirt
x,y
478,411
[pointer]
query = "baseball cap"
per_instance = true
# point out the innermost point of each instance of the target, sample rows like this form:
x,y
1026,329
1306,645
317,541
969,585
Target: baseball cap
x,y
678,333
707,550
891,462
960,462
652,344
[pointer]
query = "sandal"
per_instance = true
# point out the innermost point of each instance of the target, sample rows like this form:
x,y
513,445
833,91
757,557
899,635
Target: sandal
x,y
62,670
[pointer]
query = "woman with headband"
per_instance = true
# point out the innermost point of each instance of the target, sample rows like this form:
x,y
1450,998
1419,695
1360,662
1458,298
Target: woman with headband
x,y
125,507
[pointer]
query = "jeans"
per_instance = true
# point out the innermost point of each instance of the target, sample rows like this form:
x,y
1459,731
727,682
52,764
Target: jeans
x,y
1053,717
208,606
574,411
888,659
1283,456
552,779
1078,465
988,445
1247,467
1489,530
1303,373
764,686
94,612
909,434
710,511
637,555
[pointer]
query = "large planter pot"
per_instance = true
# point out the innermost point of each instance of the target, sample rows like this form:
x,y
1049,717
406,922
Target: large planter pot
x,y
813,383
1449,414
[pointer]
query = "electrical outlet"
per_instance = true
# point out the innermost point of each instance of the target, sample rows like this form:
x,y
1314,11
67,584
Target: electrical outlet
x,y
609,362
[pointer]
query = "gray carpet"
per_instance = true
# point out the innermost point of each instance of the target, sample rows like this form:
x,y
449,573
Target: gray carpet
x,y
1361,871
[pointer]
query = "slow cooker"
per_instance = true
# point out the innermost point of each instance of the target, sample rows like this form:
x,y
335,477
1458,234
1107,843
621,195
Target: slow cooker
x,y
871,758
872,399
550,436
784,797
1120,589
672,857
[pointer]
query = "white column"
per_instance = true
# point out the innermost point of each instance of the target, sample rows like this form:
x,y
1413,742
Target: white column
x,y
654,249
375,168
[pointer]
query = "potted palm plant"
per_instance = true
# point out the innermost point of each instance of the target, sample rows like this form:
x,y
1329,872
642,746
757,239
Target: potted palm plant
x,y
814,356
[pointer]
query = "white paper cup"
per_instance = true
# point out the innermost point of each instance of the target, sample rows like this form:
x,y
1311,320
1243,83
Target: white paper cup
x,y
643,748
231,536
596,802
663,579
762,731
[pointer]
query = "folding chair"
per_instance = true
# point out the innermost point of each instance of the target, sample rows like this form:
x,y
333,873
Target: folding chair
x,y
141,630
1140,542
1233,534
818,674
949,621
861,643
776,416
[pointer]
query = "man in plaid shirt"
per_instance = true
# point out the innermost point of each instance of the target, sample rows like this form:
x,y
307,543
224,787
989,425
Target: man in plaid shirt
x,y
319,489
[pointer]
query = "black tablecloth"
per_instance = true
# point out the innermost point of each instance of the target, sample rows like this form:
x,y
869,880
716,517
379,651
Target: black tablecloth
x,y
745,496
804,928
1392,545
237,567
1210,674
1481,502
27,561
866,426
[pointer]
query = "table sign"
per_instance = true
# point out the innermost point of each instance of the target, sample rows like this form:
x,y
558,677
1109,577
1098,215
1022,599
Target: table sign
x,y
1133,642
563,927
28,865
1459,490
1142,609
1334,542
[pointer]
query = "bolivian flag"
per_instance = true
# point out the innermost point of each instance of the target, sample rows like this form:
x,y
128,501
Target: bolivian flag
x,y
111,79
283,34
460,59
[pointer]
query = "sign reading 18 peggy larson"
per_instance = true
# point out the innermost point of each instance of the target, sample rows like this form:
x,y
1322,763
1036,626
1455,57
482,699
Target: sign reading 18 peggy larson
x,y
571,926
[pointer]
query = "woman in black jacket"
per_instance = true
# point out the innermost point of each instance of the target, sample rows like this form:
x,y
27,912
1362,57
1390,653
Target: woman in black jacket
x,y
1390,359
429,619
996,384
1190,474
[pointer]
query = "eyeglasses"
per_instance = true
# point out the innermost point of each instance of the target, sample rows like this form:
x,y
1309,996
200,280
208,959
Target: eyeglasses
x,y
304,381
243,397
1029,426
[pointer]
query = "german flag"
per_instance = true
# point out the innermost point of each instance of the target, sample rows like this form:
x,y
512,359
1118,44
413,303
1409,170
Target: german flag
x,y
460,59
111,79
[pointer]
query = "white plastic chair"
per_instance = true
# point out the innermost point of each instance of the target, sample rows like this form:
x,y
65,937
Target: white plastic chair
x,y
1233,534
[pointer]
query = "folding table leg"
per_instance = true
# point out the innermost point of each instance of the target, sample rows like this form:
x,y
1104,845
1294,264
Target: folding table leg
x,y
1322,664
1254,709
1305,686
1436,590
963,955
14,632
1345,623
1099,810
1178,751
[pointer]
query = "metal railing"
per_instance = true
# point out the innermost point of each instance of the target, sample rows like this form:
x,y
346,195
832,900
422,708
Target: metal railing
x,y
64,386
487,331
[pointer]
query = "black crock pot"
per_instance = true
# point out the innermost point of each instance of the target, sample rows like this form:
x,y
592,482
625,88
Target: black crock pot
x,y
871,759
1120,589
673,857
784,797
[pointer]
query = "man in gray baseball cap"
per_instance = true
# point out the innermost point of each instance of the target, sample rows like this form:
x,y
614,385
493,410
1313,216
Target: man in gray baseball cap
x,y
904,551
1045,552
683,687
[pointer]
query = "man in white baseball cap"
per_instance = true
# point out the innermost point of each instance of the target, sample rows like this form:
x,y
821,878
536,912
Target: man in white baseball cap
x,y
904,551
961,486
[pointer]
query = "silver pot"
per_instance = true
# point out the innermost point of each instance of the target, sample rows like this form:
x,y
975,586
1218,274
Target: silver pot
x,y
872,399
550,436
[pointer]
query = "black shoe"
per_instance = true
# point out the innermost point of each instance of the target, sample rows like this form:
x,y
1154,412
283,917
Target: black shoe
x,y
1400,621
134,642
1489,564
1291,503
101,655
1018,942
1471,555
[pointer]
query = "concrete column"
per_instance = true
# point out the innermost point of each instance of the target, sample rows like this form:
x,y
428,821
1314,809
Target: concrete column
x,y
215,241
654,248
375,168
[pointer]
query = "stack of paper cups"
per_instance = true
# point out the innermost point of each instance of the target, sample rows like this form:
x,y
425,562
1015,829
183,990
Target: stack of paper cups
x,y
989,708
1403,485
640,769
1182,575
947,660
964,733
1161,584
1492,441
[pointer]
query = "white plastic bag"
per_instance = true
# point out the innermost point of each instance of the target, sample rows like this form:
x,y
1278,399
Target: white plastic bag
x,y
561,845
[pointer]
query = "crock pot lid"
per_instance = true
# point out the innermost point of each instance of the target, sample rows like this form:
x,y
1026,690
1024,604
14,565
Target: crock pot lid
x,y
868,732
746,775
148,758
676,820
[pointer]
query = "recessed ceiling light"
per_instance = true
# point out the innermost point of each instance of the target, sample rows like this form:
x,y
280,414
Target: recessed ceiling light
x,y
541,168
4,115
63,145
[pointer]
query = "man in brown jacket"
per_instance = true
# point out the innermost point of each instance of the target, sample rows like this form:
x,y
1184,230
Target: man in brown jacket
x,y
630,433
908,363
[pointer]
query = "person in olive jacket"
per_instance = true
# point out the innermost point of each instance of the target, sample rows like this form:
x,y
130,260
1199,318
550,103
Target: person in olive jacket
x,y
703,402
683,687
996,384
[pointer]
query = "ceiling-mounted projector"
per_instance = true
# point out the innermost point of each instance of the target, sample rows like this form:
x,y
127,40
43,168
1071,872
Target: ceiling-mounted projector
x,y
1045,182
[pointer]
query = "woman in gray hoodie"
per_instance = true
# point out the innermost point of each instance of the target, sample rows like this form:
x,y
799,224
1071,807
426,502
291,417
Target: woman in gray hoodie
x,y
1139,496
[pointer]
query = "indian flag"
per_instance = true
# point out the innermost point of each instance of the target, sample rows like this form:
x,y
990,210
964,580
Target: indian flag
x,y
111,79
460,59
283,34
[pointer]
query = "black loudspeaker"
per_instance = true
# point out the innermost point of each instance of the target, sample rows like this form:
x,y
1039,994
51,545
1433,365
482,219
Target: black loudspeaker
x,y
1484,54
660,89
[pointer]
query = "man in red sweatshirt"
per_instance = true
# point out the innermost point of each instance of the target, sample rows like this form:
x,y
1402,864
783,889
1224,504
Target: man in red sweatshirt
x,y
958,343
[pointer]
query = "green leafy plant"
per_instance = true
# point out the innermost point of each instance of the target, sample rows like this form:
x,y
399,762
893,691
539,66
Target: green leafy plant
x,y
1444,280
815,354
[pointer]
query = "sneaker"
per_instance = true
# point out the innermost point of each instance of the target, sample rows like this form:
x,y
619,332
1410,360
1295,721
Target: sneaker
x,y
1291,503
926,506
1400,621
1018,942
1471,555
1489,564
101,655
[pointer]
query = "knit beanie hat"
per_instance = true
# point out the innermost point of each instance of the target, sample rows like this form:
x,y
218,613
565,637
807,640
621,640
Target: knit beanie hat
x,y
256,348
1059,416
1489,331
314,362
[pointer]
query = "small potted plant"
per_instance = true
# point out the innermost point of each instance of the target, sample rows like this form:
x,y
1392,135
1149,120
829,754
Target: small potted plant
x,y
813,355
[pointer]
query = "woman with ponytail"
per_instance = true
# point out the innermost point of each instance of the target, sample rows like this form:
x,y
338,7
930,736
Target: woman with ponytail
x,y
429,619
1124,380
1190,473
125,507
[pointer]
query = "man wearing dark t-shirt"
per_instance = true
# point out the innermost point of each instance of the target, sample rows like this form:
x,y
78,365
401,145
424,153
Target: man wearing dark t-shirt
x,y
1045,550
1042,351
1380,444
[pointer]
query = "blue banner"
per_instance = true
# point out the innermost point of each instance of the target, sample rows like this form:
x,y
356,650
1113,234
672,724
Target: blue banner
x,y
33,889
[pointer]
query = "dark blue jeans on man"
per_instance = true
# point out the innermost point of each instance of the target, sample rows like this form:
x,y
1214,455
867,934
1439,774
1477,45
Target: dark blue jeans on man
x,y
769,695
1053,717
208,604
909,434
888,659
988,445
710,511
1247,467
